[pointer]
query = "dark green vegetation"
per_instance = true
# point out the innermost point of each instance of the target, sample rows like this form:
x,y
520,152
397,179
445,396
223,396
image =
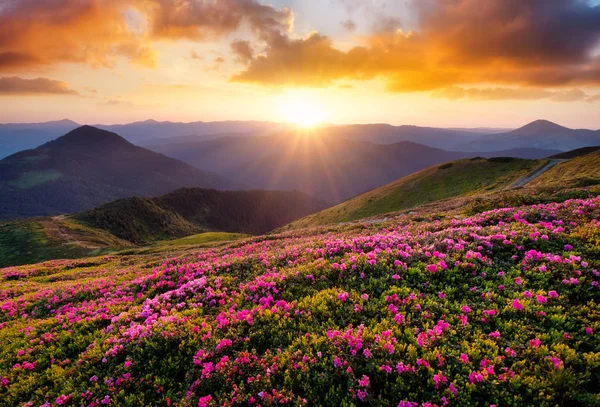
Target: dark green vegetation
x,y
133,222
576,153
88,167
450,180
193,210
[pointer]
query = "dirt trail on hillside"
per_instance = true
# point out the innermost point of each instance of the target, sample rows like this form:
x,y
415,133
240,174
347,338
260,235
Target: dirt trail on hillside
x,y
527,179
55,229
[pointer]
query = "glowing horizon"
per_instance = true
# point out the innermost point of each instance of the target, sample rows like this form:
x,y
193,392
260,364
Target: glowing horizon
x,y
457,63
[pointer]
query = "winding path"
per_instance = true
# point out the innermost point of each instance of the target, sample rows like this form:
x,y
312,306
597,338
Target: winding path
x,y
528,178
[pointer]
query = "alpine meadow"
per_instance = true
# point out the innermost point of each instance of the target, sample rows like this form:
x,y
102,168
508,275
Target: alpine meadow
x,y
228,203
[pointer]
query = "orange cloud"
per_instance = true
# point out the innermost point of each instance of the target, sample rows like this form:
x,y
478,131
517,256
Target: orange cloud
x,y
510,42
36,33
460,93
243,51
40,86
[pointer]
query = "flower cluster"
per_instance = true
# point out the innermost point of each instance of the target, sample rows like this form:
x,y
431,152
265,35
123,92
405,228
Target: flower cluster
x,y
499,308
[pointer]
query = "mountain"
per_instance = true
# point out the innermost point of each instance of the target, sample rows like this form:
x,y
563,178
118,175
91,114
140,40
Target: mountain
x,y
193,210
189,215
329,166
575,153
447,139
88,167
539,134
449,180
150,130
16,137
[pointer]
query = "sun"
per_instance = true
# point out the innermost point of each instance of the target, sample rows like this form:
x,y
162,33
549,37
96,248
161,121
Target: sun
x,y
303,110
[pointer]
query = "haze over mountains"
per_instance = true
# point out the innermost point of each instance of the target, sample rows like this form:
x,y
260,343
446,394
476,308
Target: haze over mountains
x,y
539,134
86,168
331,167
90,166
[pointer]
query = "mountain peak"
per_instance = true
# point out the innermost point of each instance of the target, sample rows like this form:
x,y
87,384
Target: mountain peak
x,y
89,137
540,125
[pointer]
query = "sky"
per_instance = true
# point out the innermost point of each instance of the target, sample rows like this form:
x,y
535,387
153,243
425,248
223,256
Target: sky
x,y
442,63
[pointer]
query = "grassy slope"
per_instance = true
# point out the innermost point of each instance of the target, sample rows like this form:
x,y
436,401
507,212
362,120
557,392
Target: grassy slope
x,y
579,172
464,177
41,239
36,240
203,239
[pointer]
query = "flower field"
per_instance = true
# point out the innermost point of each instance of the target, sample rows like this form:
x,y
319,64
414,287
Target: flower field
x,y
499,308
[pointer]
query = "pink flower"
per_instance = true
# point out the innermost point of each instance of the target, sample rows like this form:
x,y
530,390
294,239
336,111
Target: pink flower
x,y
464,358
364,382
589,331
204,401
541,299
386,368
516,304
552,294
343,296
432,268
494,335
465,309
362,395
475,377
558,364
535,343
224,343
439,378
518,280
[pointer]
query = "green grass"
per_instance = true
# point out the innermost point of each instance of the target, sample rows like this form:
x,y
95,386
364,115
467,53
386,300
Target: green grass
x,y
203,239
581,171
33,178
459,178
30,241
26,242
207,239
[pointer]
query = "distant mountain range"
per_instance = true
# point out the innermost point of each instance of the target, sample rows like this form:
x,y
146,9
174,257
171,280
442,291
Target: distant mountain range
x,y
466,182
539,134
331,167
88,167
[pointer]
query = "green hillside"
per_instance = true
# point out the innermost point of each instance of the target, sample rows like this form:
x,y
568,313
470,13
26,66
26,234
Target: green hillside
x,y
190,211
40,239
189,216
450,180
581,171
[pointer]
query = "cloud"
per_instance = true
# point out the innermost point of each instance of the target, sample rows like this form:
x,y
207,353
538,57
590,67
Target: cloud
x,y
348,25
38,33
534,43
40,86
593,99
503,93
243,51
